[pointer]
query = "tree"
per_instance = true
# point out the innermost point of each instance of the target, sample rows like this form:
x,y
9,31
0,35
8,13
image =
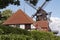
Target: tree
x,y
4,3
4,15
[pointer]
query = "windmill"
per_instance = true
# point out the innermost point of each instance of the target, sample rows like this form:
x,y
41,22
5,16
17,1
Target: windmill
x,y
40,14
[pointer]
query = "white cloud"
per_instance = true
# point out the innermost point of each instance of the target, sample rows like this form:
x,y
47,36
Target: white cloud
x,y
55,24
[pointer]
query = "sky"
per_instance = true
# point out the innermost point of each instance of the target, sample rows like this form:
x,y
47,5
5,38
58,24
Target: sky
x,y
53,6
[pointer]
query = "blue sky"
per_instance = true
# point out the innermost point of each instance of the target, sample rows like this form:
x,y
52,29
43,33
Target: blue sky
x,y
53,6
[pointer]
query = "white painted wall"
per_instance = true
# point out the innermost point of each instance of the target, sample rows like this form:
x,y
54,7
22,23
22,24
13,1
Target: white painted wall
x,y
22,26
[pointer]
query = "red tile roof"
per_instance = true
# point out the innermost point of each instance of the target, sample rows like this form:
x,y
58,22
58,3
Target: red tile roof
x,y
19,18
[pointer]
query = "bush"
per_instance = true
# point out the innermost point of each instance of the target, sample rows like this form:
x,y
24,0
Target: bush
x,y
14,37
1,31
56,37
10,33
12,30
41,35
37,36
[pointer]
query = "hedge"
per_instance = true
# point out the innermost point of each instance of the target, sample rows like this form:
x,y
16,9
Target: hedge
x,y
25,37
10,33
14,37
41,35
9,30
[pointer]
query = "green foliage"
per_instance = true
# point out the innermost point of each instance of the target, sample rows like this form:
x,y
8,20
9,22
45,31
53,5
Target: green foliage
x,y
1,31
11,30
23,37
4,15
56,37
4,3
10,33
14,37
41,35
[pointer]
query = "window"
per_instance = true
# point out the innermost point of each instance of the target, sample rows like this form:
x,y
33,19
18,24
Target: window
x,y
27,26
